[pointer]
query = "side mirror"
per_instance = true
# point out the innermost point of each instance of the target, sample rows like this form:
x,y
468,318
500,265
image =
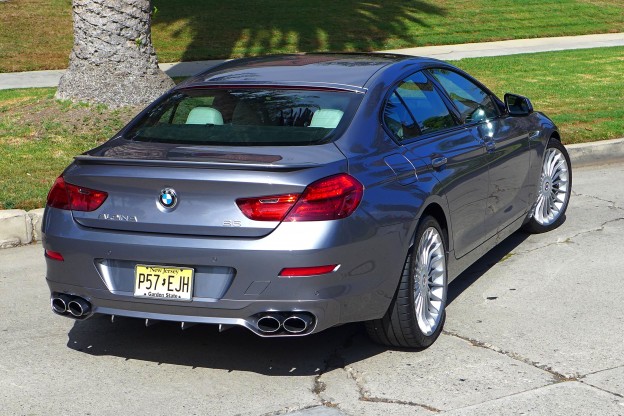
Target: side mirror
x,y
517,105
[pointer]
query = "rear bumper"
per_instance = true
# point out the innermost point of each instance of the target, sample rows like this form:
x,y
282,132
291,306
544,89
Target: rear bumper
x,y
370,258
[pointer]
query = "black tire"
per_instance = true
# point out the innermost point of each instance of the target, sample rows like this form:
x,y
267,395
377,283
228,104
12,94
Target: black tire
x,y
399,327
532,225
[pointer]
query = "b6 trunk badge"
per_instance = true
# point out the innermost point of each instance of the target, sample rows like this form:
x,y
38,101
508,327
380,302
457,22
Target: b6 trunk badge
x,y
118,217
168,198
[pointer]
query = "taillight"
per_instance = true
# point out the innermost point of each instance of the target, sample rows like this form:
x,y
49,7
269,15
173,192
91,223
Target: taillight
x,y
267,208
329,198
66,196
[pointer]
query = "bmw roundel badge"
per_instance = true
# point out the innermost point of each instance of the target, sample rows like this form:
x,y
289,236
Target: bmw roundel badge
x,y
168,198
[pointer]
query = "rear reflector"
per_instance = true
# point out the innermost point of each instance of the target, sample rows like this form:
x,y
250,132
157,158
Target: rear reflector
x,y
54,255
329,198
66,196
308,271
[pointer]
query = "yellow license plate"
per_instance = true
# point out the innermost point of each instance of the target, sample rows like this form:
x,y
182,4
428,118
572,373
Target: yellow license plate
x,y
163,282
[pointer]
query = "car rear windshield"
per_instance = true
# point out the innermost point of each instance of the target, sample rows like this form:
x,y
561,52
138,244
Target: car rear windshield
x,y
247,117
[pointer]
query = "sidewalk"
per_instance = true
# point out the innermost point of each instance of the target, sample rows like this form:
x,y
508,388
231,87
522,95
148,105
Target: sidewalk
x,y
445,52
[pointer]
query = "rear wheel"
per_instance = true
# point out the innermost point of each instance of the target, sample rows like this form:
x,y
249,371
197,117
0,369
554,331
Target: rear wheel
x,y
554,190
417,312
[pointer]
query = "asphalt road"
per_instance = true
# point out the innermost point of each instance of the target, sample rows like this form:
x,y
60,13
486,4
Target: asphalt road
x,y
536,327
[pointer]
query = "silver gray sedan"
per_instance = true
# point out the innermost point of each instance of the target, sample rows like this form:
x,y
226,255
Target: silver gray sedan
x,y
289,194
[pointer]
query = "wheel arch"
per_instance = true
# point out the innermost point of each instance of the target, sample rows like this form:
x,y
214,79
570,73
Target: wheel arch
x,y
435,210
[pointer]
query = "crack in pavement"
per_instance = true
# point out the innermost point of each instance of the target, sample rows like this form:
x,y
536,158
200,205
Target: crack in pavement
x,y
603,370
402,402
557,377
336,361
290,410
365,395
569,239
613,203
602,389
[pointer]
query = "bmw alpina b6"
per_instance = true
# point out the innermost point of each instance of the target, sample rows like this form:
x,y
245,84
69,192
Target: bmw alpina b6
x,y
293,193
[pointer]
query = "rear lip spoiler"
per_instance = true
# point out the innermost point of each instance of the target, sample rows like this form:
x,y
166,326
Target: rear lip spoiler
x,y
190,164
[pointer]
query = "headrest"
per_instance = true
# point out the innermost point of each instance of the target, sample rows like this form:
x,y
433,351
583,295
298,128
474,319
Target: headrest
x,y
327,118
204,115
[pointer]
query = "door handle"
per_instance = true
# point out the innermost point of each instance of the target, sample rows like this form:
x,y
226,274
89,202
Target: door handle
x,y
438,162
490,146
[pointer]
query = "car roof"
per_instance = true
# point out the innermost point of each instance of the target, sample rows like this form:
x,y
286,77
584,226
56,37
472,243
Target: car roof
x,y
326,70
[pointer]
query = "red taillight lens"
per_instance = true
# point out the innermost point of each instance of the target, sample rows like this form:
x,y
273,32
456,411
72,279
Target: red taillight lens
x,y
58,197
267,208
330,198
64,195
308,271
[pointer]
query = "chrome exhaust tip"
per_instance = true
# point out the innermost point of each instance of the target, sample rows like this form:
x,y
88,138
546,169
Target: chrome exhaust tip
x,y
59,303
78,307
269,324
297,324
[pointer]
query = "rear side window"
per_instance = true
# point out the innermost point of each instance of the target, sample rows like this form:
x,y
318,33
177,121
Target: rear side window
x,y
247,117
416,108
473,103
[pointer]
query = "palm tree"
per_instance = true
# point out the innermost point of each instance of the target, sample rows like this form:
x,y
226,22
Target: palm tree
x,y
113,61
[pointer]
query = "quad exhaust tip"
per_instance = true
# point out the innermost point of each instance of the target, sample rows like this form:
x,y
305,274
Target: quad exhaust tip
x,y
75,306
285,323
297,324
59,303
269,324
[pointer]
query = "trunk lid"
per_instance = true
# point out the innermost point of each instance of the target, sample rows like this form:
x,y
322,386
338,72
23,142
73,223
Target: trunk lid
x,y
205,181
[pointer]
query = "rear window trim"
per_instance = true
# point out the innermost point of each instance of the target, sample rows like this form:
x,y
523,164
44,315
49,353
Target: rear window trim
x,y
334,135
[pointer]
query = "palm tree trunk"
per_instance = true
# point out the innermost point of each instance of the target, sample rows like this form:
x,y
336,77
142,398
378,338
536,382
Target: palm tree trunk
x,y
113,61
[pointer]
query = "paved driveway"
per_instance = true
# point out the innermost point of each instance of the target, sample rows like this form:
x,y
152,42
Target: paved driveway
x,y
536,327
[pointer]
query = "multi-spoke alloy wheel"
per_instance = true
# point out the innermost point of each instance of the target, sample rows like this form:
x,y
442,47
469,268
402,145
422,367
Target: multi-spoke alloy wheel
x,y
554,189
416,315
429,282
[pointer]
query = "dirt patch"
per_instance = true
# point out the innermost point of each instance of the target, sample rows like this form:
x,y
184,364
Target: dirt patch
x,y
39,118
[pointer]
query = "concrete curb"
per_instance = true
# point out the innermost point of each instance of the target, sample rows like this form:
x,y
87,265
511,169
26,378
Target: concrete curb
x,y
18,227
602,152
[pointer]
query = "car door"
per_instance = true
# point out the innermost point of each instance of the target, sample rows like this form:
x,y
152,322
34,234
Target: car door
x,y
418,117
507,144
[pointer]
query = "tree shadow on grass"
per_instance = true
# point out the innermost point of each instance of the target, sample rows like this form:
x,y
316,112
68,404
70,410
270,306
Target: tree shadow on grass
x,y
239,28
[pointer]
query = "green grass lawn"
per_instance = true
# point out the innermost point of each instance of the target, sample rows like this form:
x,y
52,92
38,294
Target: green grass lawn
x,y
39,136
37,34
580,90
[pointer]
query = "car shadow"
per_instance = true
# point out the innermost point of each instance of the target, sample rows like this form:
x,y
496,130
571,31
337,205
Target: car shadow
x,y
237,349
485,263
